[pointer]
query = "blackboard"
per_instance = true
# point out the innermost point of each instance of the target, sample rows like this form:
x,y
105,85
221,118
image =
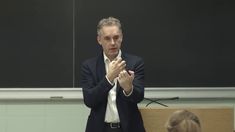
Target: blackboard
x,y
183,43
36,43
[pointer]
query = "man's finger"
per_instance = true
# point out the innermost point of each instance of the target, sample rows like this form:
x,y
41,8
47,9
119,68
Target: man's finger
x,y
122,63
131,73
119,59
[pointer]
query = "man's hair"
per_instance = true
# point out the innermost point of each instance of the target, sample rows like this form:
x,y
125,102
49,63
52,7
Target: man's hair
x,y
110,21
183,121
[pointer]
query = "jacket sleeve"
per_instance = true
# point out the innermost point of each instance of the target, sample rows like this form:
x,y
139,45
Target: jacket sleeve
x,y
94,93
138,83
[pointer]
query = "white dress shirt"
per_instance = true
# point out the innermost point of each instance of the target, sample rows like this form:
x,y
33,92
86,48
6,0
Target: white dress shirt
x,y
111,115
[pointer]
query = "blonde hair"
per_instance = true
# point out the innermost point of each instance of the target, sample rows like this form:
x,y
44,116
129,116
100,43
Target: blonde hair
x,y
183,121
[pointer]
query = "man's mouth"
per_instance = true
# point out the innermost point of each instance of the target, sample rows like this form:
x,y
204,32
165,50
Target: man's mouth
x,y
112,49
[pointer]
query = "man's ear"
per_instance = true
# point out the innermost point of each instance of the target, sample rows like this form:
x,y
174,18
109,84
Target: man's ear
x,y
98,39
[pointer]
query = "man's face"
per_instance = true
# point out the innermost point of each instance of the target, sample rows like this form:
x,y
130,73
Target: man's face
x,y
110,39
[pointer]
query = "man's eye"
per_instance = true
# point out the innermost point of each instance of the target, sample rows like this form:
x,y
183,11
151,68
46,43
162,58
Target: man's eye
x,y
107,38
116,37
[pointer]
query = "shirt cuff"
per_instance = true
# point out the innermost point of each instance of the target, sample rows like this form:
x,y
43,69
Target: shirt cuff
x,y
109,81
129,93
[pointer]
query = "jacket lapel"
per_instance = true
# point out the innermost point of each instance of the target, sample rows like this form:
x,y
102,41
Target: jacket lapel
x,y
124,57
100,67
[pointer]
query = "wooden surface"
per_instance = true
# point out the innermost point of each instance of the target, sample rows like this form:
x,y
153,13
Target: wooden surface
x,y
212,119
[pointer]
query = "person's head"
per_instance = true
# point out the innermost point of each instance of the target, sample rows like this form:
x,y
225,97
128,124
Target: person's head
x,y
183,121
109,36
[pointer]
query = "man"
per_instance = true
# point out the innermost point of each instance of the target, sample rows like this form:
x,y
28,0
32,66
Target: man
x,y
113,84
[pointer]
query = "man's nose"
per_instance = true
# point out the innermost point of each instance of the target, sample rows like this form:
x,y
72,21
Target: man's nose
x,y
112,41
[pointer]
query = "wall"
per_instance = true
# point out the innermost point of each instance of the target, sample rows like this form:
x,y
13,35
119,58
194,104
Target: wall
x,y
42,116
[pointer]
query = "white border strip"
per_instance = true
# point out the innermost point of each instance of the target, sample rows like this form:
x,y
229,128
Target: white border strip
x,y
76,93
40,93
191,92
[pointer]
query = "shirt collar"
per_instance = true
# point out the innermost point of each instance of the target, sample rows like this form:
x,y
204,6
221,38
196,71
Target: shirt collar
x,y
107,59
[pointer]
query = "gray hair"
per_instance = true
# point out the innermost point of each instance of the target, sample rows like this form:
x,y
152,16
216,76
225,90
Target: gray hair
x,y
110,21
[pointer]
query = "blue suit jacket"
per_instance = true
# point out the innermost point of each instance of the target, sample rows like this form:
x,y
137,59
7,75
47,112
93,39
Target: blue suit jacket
x,y
95,91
